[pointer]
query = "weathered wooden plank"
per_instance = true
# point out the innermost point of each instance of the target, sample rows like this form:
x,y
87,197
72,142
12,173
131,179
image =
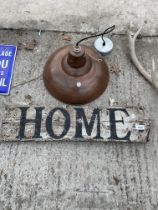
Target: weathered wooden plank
x,y
120,124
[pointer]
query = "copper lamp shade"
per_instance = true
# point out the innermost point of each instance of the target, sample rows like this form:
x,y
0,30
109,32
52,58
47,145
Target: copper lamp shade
x,y
76,75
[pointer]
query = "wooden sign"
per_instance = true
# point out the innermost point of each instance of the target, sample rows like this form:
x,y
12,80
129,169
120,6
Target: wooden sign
x,y
74,124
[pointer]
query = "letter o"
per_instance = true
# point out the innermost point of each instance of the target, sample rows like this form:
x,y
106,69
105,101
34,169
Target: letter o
x,y
49,123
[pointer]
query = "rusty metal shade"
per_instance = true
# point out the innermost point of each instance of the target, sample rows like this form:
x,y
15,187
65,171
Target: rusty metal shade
x,y
76,75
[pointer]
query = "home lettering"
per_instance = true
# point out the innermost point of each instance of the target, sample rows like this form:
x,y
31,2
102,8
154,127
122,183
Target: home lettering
x,y
81,123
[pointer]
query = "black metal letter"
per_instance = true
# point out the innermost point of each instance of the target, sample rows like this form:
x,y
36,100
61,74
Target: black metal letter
x,y
113,122
24,121
80,114
49,123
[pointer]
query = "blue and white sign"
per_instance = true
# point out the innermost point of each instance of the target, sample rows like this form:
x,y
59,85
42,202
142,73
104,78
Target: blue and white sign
x,y
7,58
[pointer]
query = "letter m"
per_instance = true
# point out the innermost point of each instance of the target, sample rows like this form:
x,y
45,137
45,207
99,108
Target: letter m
x,y
89,126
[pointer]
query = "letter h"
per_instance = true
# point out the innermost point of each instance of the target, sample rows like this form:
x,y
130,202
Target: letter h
x,y
24,121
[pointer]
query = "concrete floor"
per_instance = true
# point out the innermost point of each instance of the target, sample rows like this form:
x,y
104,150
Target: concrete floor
x,y
79,175
77,16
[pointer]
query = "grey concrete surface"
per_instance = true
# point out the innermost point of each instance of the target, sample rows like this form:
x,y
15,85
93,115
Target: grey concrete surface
x,y
79,16
80,175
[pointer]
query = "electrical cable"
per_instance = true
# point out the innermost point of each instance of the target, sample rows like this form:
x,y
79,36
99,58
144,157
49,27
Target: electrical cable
x,y
108,30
